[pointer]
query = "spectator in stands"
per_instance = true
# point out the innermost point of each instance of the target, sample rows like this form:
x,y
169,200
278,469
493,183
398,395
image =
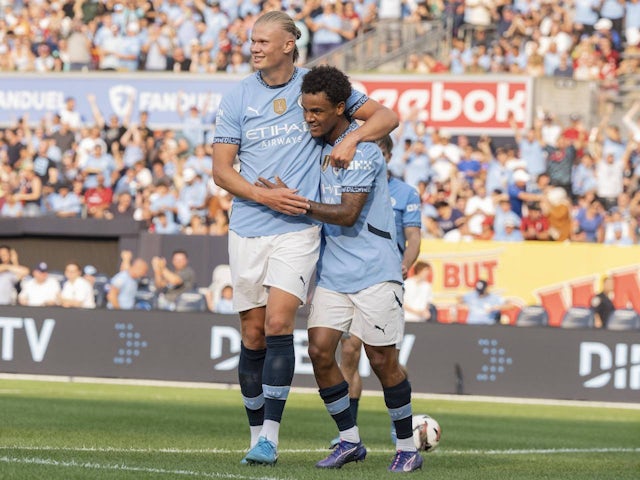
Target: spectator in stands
x,y
556,206
418,294
11,208
69,114
194,122
15,145
224,304
122,208
41,290
510,232
42,164
327,29
200,161
530,147
178,62
560,160
497,171
479,207
29,191
197,226
98,199
238,64
64,138
64,203
192,197
416,165
518,192
113,131
79,47
99,163
535,225
155,49
76,292
617,230
124,285
565,66
164,224
484,307
11,272
171,282
164,200
609,179
504,214
445,156
447,221
602,303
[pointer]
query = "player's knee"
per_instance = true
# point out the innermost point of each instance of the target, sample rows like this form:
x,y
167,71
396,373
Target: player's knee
x,y
321,357
279,326
382,362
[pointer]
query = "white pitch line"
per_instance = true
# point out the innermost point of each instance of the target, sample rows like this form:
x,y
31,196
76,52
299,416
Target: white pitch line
x,y
541,451
126,468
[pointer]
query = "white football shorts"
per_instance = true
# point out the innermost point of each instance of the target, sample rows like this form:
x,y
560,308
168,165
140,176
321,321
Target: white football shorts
x,y
374,314
286,261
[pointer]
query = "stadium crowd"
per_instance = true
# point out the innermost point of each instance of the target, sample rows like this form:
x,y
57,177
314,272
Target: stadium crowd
x,y
107,168
583,39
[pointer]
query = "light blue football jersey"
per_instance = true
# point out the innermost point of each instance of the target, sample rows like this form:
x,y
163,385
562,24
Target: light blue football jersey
x,y
406,209
267,124
354,258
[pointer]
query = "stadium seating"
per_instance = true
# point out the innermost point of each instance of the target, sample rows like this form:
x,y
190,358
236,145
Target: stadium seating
x,y
623,319
532,316
58,275
191,302
578,317
145,300
220,278
100,289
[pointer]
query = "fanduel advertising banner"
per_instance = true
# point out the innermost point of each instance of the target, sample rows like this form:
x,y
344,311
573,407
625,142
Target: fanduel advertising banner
x,y
481,360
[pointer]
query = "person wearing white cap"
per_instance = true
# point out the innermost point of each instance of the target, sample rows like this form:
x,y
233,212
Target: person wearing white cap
x,y
517,191
130,47
192,197
40,290
444,156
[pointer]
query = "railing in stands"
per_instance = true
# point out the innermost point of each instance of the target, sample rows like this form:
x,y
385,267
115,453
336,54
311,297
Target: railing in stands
x,y
387,47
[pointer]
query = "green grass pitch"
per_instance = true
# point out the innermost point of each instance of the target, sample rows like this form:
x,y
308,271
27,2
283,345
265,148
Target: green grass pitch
x,y
68,430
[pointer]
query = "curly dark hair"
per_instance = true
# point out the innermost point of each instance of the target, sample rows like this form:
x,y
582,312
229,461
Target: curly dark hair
x,y
329,80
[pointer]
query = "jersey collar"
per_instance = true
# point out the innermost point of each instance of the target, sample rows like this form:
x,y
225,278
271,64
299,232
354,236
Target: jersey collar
x,y
296,73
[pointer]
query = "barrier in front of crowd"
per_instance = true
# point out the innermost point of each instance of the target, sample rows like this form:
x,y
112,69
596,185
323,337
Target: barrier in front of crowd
x,y
555,275
448,359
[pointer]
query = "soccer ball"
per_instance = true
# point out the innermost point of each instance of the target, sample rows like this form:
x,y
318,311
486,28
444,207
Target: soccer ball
x,y
426,432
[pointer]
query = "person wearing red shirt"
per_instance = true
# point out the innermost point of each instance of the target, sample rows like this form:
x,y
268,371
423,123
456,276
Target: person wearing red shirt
x,y
98,199
535,225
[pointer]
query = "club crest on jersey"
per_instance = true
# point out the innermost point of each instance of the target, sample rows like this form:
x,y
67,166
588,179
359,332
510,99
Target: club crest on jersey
x,y
280,105
325,162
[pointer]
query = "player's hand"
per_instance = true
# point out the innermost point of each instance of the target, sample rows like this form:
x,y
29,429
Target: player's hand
x,y
277,196
343,153
263,182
